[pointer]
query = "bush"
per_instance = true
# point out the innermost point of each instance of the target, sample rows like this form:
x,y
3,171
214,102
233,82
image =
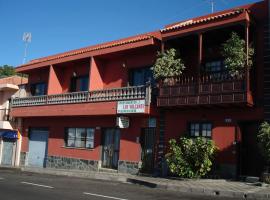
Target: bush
x,y
234,51
168,64
191,158
264,140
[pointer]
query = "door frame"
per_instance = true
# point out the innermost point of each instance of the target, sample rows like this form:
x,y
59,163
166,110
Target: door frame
x,y
102,146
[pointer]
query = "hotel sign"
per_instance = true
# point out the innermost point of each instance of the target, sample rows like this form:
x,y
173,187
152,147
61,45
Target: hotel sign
x,y
133,106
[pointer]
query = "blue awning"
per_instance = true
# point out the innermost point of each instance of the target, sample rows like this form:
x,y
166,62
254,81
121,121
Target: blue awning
x,y
9,134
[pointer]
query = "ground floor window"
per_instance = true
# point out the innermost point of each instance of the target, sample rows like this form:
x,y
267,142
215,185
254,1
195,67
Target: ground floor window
x,y
200,129
80,137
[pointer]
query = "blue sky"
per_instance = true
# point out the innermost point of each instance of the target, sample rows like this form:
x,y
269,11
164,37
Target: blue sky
x,y
62,25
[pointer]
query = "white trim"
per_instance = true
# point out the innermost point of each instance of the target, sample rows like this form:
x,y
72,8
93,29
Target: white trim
x,y
99,195
28,183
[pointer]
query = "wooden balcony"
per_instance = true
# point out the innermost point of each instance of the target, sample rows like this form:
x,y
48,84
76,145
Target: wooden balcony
x,y
208,89
99,102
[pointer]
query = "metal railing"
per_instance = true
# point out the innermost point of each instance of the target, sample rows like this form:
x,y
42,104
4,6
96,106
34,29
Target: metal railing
x,y
115,94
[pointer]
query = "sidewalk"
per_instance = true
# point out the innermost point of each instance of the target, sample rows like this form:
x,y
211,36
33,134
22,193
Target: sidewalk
x,y
209,187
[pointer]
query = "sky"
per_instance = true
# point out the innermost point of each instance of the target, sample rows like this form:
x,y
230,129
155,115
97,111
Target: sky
x,y
62,25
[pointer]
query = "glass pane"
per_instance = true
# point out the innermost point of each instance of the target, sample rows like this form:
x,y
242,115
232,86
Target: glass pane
x,y
84,83
71,143
80,137
90,138
71,133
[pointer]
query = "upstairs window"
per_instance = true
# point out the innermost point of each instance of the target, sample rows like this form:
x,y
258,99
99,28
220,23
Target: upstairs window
x,y
198,129
38,89
78,84
214,66
140,76
80,137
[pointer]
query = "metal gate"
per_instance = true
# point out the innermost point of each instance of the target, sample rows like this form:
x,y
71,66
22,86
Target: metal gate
x,y
38,143
147,140
7,155
111,145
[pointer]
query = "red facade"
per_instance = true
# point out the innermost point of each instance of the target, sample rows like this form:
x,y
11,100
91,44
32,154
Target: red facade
x,y
82,90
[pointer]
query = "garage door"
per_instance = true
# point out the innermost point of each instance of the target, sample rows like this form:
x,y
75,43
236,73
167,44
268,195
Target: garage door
x,y
38,143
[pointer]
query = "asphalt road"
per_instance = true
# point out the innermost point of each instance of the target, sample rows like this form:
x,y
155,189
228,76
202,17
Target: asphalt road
x,y
16,185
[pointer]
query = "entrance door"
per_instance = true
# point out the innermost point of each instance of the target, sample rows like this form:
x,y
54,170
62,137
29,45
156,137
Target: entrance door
x,y
37,147
8,146
111,145
147,140
250,158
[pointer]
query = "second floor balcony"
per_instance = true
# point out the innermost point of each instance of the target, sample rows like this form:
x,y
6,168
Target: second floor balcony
x,y
98,102
216,88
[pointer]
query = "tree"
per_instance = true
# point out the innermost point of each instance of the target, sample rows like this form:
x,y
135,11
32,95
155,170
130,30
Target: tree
x,y
191,158
6,71
234,52
264,140
168,64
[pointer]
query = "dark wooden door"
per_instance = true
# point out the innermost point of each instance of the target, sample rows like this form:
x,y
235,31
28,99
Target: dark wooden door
x,y
251,160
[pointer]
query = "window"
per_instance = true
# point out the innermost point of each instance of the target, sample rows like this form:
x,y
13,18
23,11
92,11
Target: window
x,y
78,84
214,66
141,76
200,129
80,137
38,89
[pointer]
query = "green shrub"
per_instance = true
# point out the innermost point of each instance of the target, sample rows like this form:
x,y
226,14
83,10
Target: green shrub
x,y
234,52
168,64
264,140
191,158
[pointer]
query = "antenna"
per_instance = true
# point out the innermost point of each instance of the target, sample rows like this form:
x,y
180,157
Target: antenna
x,y
212,3
27,37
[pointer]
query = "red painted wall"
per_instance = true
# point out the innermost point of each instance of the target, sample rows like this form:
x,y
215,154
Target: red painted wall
x,y
223,133
129,149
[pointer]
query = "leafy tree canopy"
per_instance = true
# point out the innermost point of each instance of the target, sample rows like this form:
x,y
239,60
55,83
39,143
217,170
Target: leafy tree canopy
x,y
168,64
6,71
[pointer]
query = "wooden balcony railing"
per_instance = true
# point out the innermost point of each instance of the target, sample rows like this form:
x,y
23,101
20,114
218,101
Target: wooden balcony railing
x,y
115,94
210,88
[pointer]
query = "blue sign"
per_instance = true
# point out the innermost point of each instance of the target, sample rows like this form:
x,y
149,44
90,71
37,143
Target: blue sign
x,y
10,134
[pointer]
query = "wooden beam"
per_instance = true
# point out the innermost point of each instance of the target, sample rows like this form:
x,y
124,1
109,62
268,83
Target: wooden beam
x,y
247,56
200,49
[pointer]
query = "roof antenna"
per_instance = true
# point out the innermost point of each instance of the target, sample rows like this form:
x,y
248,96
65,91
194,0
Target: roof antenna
x,y
27,37
212,3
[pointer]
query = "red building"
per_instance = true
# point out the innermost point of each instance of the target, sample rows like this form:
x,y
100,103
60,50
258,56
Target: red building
x,y
94,108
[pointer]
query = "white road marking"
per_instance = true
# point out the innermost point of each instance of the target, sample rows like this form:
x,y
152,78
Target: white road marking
x,y
1,178
28,183
99,195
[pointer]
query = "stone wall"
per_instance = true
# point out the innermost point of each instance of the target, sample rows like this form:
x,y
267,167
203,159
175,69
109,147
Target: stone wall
x,y
128,167
71,163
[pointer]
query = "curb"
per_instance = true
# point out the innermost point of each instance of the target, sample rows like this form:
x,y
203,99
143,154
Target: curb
x,y
126,178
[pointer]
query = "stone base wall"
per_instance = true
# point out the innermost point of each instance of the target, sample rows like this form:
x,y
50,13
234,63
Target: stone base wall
x,y
128,167
71,163
22,158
